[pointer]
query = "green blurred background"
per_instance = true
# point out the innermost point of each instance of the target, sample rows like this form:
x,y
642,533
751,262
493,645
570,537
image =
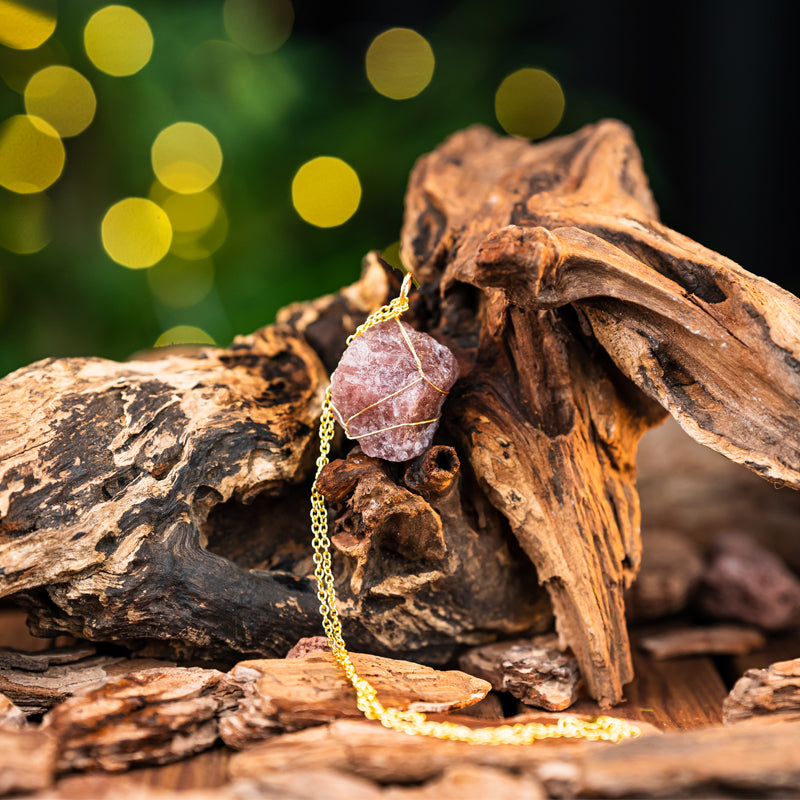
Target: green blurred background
x,y
706,89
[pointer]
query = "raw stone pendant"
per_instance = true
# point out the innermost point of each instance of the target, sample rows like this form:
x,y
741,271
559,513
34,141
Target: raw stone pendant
x,y
388,389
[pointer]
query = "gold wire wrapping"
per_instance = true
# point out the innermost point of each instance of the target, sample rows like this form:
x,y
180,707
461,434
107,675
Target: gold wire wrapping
x,y
414,722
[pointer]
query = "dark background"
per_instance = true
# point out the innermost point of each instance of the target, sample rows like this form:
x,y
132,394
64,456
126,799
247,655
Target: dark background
x,y
709,89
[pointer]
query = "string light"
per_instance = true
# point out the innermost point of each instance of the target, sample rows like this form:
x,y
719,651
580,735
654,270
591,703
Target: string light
x,y
26,25
326,191
62,97
31,154
136,232
399,63
186,157
118,40
529,103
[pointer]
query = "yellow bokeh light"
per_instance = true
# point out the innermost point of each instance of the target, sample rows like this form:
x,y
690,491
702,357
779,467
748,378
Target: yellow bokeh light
x,y
31,154
399,63
136,232
179,284
26,24
62,97
326,191
259,26
24,223
183,334
186,157
193,245
529,103
191,213
118,40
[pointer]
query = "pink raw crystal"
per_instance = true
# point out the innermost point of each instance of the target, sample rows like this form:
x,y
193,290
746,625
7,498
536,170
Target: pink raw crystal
x,y
379,390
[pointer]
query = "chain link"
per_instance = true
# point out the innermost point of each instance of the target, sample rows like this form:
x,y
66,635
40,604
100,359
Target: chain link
x,y
414,722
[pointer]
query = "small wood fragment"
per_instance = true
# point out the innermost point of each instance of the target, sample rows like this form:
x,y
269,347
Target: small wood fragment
x,y
708,640
11,717
746,582
286,695
535,670
54,675
27,761
774,692
308,645
760,759
671,568
150,717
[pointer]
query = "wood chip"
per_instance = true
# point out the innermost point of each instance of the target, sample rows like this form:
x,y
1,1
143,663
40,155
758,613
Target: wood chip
x,y
774,692
27,761
286,695
710,640
11,717
150,717
760,759
749,583
60,674
535,670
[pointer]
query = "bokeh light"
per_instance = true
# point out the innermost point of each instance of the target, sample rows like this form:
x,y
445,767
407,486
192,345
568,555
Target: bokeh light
x,y
24,222
31,154
399,63
326,191
191,213
26,25
186,157
529,103
259,26
118,40
183,334
62,97
179,284
193,245
136,232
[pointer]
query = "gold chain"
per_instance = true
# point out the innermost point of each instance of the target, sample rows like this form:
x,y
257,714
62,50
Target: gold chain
x,y
414,722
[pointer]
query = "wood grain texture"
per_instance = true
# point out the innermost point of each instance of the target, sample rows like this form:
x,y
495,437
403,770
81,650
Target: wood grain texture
x,y
772,692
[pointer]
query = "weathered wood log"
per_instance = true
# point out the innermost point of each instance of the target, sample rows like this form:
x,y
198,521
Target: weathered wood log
x,y
39,681
760,759
536,671
168,714
744,581
773,692
707,640
289,694
27,761
159,502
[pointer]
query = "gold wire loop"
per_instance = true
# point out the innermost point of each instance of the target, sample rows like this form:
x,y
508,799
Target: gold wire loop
x,y
414,722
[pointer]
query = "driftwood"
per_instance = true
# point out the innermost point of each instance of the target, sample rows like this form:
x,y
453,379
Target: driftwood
x,y
39,681
288,694
534,670
745,581
760,759
709,640
773,692
168,714
162,503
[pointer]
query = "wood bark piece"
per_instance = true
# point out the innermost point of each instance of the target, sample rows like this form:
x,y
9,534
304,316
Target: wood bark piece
x,y
27,761
671,569
37,687
11,717
746,582
535,671
773,692
761,759
149,717
289,694
707,640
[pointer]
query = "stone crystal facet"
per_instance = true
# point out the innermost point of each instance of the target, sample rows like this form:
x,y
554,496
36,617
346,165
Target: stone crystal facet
x,y
388,389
